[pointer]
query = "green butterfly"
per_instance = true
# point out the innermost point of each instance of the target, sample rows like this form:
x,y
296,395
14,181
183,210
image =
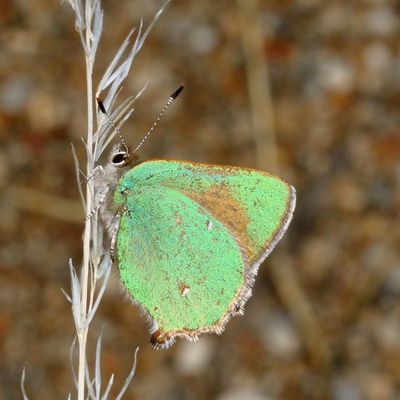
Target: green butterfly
x,y
189,238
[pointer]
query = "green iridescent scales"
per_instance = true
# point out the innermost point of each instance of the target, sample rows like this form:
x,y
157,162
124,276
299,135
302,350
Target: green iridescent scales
x,y
191,238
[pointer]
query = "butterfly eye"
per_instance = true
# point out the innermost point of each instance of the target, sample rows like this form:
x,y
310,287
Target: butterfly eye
x,y
119,159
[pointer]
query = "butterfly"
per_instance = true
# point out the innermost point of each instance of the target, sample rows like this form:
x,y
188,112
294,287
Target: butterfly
x,y
189,238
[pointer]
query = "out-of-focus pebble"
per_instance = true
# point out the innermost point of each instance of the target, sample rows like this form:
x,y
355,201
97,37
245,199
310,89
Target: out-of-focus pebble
x,y
194,358
280,337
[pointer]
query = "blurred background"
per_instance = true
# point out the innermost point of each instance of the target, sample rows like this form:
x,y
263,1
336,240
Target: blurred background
x,y
307,89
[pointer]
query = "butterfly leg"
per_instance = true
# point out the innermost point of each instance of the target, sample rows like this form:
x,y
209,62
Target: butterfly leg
x,y
97,175
113,232
100,201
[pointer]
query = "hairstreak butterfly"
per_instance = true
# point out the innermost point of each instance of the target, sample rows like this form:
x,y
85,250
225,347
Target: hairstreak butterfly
x,y
189,237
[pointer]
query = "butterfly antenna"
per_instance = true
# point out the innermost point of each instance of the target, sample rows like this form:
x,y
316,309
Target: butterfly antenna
x,y
111,122
171,98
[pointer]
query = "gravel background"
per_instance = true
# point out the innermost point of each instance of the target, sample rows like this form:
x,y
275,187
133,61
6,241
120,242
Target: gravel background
x,y
324,320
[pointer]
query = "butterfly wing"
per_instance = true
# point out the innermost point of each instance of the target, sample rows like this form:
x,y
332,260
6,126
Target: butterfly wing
x,y
191,238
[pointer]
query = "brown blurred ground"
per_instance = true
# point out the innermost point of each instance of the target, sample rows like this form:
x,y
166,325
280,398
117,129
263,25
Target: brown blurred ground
x,y
334,73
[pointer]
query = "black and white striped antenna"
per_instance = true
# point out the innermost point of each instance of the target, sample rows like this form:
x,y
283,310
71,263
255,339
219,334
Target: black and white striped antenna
x,y
111,122
171,98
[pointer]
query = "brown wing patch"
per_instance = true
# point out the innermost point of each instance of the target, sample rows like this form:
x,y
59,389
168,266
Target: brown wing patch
x,y
220,203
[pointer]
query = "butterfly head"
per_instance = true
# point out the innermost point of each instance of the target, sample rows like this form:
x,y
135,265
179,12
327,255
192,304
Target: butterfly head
x,y
121,156
119,161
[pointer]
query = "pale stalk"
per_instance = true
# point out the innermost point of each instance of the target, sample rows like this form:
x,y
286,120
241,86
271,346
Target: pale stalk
x,y
82,334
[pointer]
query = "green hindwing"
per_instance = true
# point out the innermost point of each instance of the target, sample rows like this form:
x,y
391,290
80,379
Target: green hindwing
x,y
191,238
